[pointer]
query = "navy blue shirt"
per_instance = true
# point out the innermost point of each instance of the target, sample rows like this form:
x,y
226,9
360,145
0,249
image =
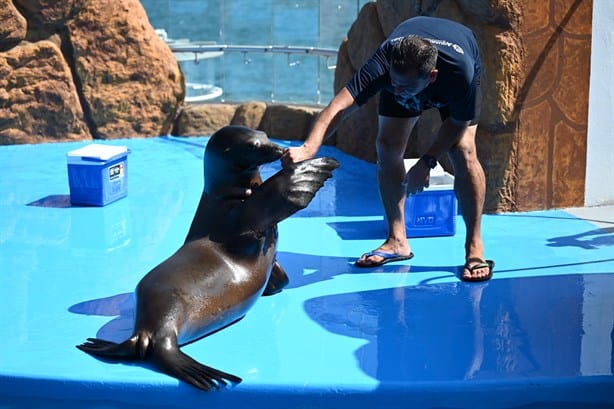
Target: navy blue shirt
x,y
458,65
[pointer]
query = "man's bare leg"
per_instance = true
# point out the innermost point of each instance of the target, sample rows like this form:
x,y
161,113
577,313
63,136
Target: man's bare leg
x,y
392,137
470,187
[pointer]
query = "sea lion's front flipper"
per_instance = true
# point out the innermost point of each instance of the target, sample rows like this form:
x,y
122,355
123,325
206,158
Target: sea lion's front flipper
x,y
277,280
283,194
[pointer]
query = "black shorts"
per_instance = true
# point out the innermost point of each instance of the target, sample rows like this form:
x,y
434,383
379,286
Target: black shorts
x,y
388,106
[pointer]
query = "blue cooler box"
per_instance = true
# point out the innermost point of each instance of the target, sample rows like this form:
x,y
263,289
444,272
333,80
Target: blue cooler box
x,y
433,211
97,174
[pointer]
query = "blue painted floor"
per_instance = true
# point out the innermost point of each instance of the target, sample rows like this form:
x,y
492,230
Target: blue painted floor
x,y
407,335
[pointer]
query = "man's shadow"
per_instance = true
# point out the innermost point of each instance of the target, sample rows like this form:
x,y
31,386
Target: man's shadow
x,y
459,331
589,240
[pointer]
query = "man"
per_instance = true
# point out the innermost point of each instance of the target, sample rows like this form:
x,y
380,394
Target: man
x,y
425,63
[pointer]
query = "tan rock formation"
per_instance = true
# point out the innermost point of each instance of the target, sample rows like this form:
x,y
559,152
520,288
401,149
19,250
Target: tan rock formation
x,y
86,69
287,121
38,100
364,36
51,13
249,114
203,119
13,25
129,78
392,12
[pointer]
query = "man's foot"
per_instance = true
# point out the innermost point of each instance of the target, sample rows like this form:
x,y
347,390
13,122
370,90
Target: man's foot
x,y
477,269
382,255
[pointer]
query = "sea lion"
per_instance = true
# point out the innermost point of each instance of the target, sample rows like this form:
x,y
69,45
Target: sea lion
x,y
226,261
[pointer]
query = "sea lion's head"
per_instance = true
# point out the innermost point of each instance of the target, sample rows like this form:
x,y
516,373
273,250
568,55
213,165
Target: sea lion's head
x,y
233,155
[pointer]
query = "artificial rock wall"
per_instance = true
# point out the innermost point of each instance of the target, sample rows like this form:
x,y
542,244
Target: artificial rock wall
x,y
84,69
532,131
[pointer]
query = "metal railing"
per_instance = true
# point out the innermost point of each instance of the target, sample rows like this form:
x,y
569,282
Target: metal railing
x,y
186,51
278,49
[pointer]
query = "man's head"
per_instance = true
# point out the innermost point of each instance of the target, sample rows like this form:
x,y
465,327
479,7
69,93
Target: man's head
x,y
412,65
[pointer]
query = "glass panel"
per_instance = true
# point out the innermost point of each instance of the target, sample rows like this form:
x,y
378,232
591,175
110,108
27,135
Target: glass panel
x,y
247,77
247,22
256,75
296,79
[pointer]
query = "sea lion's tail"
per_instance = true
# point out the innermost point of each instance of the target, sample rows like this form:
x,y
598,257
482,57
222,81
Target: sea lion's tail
x,y
169,360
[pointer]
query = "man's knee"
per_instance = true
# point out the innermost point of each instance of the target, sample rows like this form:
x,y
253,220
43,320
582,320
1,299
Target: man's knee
x,y
392,136
465,149
389,150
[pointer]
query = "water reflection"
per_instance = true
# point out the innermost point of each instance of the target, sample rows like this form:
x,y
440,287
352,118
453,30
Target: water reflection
x,y
526,327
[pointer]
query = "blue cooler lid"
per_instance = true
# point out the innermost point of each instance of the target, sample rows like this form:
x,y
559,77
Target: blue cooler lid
x,y
96,153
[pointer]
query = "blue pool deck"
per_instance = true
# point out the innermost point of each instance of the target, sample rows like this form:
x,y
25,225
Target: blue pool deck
x,y
540,334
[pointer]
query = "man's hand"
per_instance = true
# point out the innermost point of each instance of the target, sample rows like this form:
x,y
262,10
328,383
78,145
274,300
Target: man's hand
x,y
417,178
297,154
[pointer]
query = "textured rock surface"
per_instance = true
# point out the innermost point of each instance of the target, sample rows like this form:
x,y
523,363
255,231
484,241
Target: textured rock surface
x,y
364,36
249,114
51,13
199,120
289,122
13,25
553,105
129,77
38,100
532,131
392,12
87,69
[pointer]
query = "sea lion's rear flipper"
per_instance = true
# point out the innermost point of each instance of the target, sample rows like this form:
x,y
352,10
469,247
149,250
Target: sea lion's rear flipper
x,y
126,350
283,194
277,280
175,363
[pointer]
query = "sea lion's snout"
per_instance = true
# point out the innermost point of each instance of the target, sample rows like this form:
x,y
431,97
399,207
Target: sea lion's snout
x,y
264,150
276,151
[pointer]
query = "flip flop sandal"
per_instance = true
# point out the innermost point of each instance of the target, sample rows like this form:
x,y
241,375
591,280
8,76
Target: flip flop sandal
x,y
386,258
482,264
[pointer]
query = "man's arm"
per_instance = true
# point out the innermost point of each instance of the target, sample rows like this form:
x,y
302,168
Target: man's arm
x,y
329,119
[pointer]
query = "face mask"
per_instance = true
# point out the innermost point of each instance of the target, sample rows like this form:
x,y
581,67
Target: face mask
x,y
407,86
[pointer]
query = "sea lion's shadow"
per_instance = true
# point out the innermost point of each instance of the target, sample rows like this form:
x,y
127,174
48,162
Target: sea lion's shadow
x,y
302,269
306,269
121,306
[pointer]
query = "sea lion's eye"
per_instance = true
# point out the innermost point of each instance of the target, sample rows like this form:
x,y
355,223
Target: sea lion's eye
x,y
256,144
